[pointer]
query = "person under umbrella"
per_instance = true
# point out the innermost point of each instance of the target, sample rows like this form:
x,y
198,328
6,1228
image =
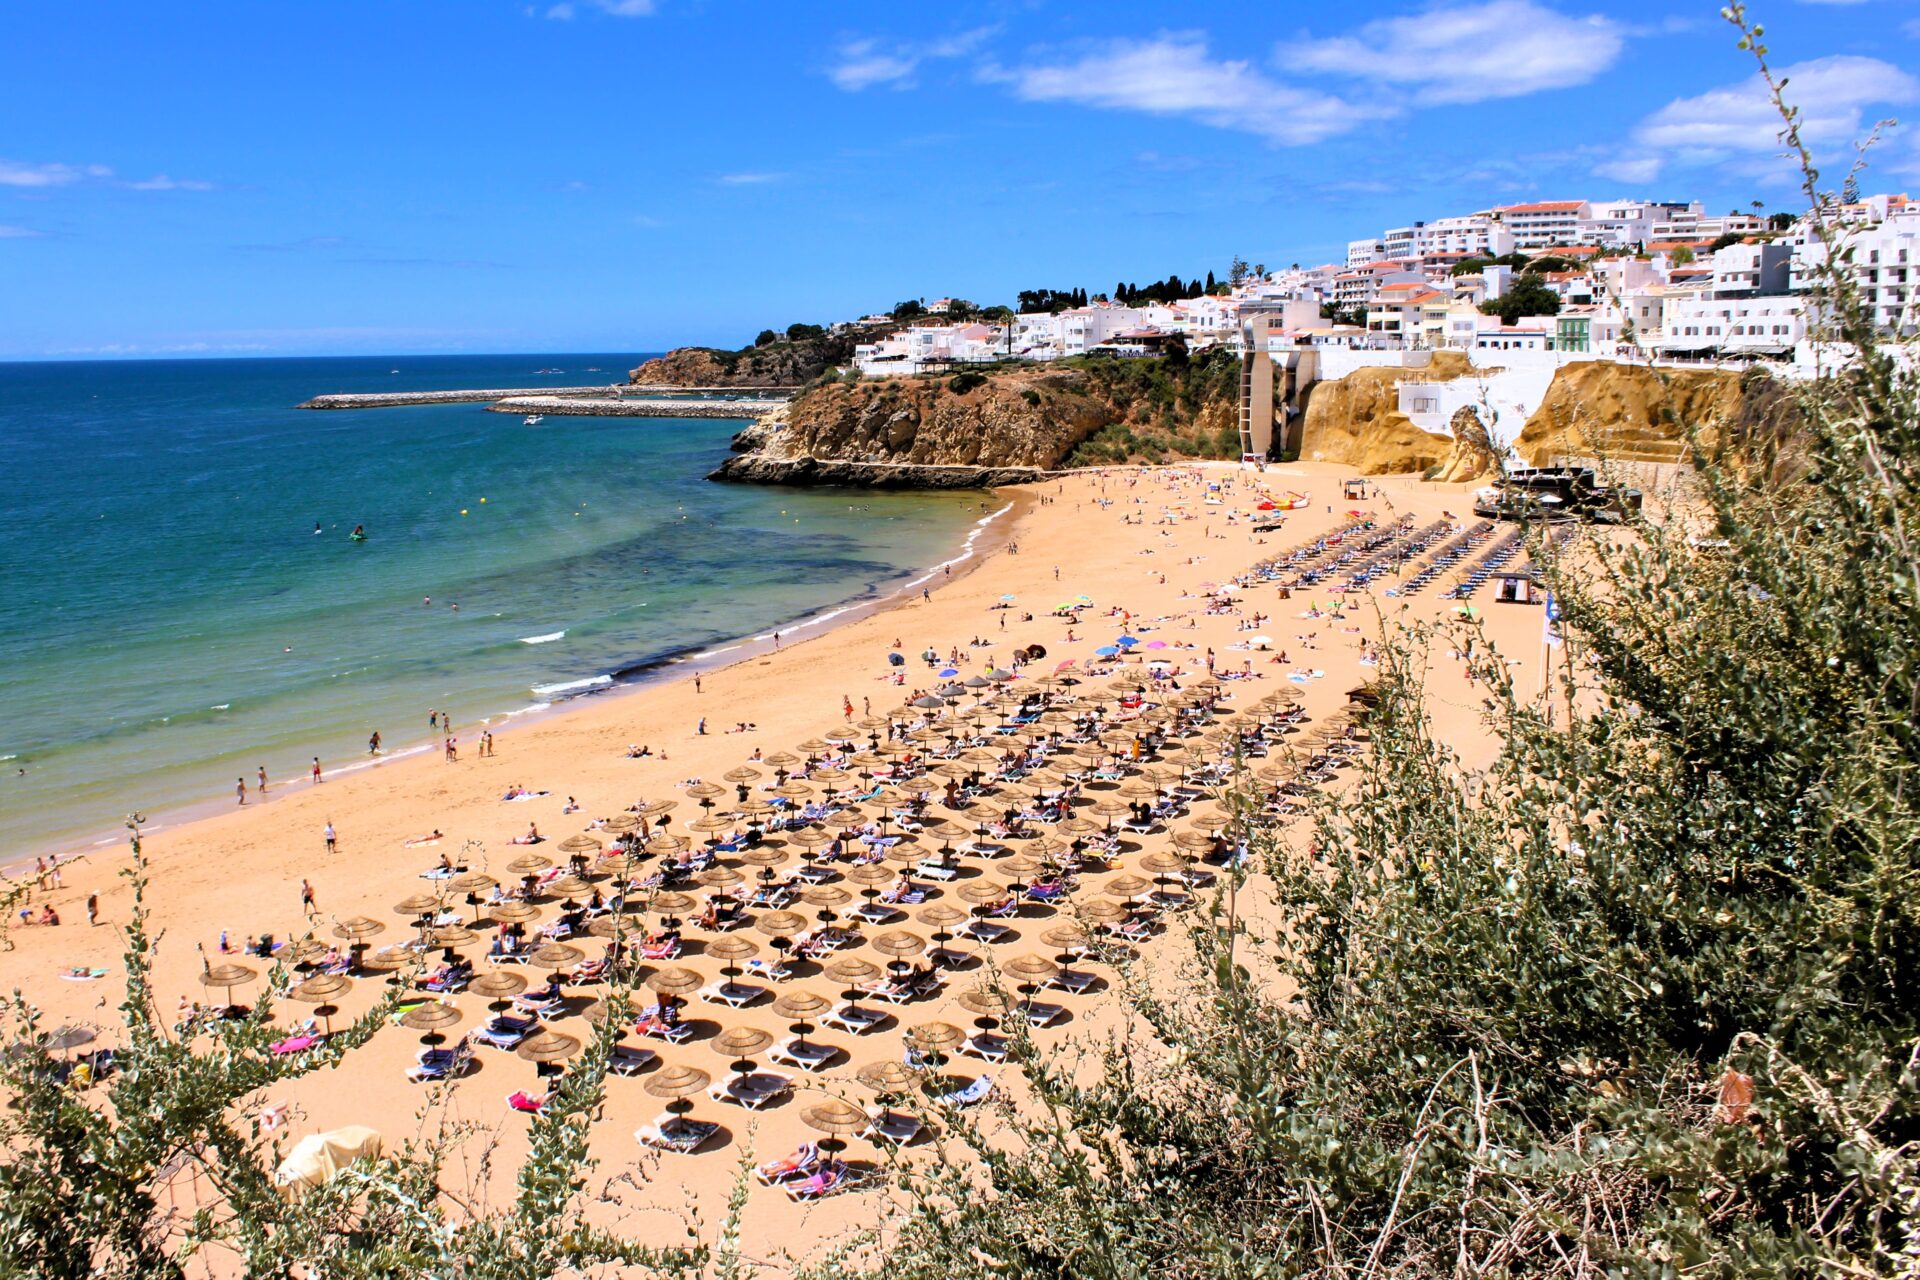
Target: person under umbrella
x,y
320,991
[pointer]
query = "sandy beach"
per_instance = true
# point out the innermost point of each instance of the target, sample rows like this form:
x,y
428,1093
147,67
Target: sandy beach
x,y
1142,542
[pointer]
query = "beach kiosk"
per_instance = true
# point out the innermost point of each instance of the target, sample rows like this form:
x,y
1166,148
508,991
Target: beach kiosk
x,y
1354,490
1518,586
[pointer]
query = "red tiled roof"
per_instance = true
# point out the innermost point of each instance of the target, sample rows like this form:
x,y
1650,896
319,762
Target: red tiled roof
x,y
1543,206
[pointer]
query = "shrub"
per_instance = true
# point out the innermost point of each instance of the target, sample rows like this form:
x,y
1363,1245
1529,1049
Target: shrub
x,y
1640,996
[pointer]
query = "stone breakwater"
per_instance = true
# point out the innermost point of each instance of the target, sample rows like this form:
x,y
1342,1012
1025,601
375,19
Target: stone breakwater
x,y
750,468
628,407
395,399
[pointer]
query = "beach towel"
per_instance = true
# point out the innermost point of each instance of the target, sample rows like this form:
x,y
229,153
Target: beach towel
x,y
80,974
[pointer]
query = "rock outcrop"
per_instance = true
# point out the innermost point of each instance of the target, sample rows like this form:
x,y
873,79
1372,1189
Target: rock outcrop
x,y
1591,409
1631,413
778,364
1357,420
749,468
1473,454
1025,420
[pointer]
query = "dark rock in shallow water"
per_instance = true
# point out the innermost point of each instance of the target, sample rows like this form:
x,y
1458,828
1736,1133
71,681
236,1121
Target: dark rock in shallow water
x,y
755,469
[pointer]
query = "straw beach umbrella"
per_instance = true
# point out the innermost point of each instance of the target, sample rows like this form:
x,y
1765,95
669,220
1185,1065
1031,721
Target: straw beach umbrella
x,y
676,981
227,977
498,987
835,1117
731,950
802,1007
739,1044
431,1019
419,904
548,1048
677,1082
557,955
319,991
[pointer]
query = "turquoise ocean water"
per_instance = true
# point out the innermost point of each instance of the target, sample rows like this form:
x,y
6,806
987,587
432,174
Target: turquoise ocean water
x,y
169,619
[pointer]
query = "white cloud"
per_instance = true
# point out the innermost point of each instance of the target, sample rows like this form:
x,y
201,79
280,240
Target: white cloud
x,y
869,61
1631,168
1471,53
19,233
161,182
567,10
748,179
863,64
1174,76
1831,94
1737,129
14,173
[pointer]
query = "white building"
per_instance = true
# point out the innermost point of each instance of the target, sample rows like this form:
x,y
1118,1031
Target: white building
x,y
1749,269
1732,326
1528,335
1885,260
1465,236
1627,224
924,346
1358,289
1361,252
1544,222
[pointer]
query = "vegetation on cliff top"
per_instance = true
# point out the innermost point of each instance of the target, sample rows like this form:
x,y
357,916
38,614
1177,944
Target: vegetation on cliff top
x,y
1174,407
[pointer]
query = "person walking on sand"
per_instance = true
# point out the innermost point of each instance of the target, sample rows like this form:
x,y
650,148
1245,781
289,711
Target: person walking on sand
x,y
333,843
93,909
701,728
307,903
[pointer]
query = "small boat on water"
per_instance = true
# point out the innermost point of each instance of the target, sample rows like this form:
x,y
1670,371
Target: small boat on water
x,y
531,420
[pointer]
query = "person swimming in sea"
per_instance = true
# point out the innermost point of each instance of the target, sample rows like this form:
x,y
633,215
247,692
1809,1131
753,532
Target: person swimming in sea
x,y
316,526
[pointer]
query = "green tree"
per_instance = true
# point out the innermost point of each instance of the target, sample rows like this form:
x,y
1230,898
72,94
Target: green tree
x,y
765,338
1527,296
911,309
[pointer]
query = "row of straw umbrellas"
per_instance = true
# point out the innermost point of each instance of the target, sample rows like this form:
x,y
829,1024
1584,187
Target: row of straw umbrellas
x,y
1082,715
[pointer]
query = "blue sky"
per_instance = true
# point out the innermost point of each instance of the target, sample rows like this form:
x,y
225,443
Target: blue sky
x,y
625,175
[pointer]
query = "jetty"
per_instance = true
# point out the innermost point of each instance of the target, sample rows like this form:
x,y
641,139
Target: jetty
x,y
395,399
621,400
633,407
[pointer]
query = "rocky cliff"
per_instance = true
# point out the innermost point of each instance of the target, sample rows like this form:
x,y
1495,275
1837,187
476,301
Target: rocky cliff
x,y
1631,413
1024,420
1628,413
777,364
1357,420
